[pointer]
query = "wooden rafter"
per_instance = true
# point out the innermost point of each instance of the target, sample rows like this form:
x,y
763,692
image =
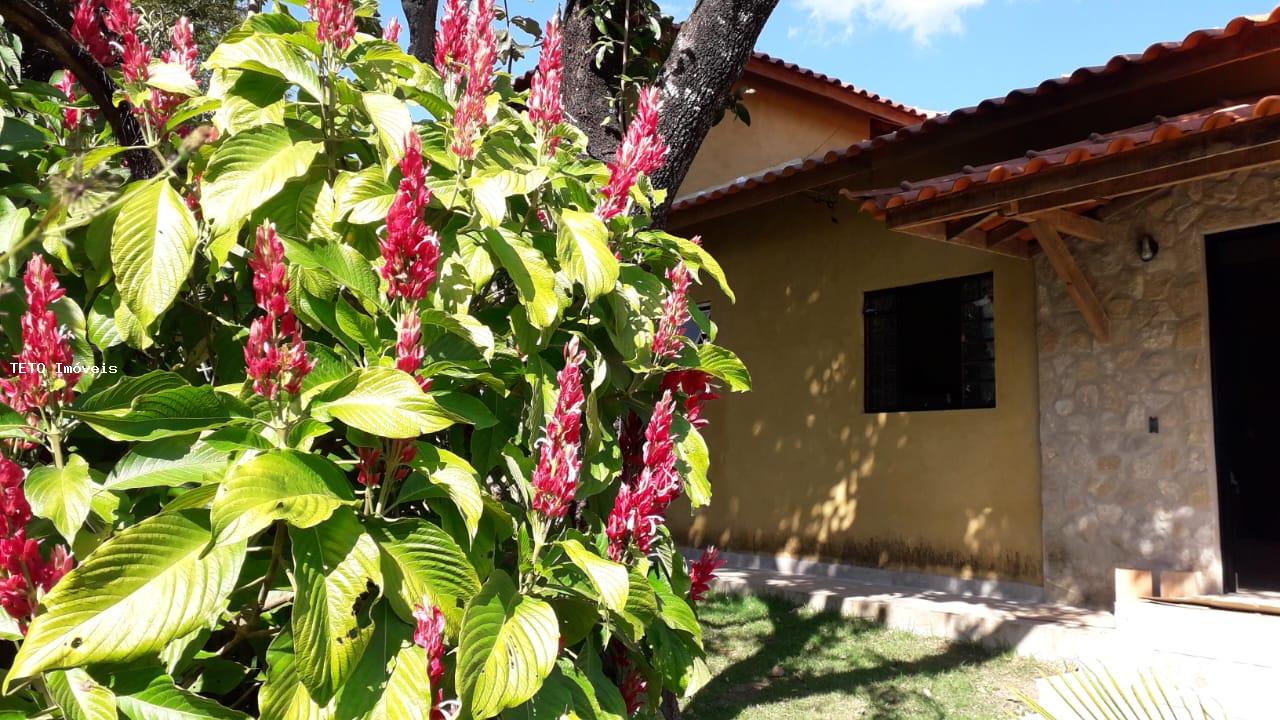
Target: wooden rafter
x,y
1069,223
1078,287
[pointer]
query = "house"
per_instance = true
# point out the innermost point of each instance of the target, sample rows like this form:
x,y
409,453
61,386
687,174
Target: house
x,y
1014,347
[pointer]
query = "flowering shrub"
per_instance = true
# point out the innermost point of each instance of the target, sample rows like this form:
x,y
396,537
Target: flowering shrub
x,y
370,405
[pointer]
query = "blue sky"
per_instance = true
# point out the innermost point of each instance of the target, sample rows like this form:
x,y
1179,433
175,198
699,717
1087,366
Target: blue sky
x,y
945,54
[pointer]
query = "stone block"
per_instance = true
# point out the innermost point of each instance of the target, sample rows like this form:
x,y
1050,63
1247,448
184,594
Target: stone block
x,y
1134,584
1181,583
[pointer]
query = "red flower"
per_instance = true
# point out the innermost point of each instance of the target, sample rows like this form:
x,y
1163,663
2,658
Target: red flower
x,y
634,685
451,41
639,509
481,53
67,85
698,388
335,21
275,356
409,350
43,374
545,108
429,635
669,337
411,249
15,513
641,151
184,51
367,472
702,572
391,33
555,480
86,29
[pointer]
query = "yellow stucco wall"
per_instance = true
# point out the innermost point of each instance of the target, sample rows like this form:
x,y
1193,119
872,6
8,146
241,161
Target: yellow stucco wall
x,y
798,467
786,124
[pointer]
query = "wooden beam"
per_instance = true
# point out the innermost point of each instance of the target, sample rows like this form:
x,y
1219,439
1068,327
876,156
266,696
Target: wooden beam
x,y
1078,286
1069,223
1204,154
968,231
1125,202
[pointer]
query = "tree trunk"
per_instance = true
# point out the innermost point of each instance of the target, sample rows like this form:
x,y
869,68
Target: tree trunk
x,y
588,90
421,17
710,52
38,27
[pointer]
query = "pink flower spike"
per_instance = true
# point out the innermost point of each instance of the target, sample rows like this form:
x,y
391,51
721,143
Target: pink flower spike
x,y
409,350
411,248
391,33
642,151
451,40
481,53
45,344
429,635
86,29
698,388
335,22
275,355
15,513
184,51
640,508
702,571
545,108
555,480
668,339
67,85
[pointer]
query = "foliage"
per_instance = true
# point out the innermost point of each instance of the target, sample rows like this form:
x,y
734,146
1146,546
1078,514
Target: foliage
x,y
324,369
1097,693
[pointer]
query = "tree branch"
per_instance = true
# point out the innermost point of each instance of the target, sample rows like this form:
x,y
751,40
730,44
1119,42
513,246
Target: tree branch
x,y
709,54
588,90
421,17
39,27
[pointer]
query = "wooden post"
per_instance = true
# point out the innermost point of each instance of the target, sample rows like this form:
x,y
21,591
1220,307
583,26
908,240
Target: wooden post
x,y
1077,285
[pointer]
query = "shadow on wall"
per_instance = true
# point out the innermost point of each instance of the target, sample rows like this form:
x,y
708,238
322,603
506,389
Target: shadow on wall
x,y
799,468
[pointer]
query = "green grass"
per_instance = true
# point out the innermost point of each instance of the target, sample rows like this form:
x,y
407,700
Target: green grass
x,y
773,661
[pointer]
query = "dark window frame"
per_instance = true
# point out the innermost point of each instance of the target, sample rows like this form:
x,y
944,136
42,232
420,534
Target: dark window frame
x,y
911,365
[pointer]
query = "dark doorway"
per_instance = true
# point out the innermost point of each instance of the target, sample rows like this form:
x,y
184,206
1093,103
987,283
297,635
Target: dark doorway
x,y
1244,295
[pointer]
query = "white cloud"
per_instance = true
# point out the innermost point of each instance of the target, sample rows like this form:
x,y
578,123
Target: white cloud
x,y
922,18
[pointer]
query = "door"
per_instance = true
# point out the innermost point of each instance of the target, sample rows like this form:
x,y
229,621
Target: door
x,y
1244,304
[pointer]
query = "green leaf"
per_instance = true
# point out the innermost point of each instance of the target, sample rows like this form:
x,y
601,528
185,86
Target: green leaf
x,y
270,55
178,411
422,563
250,168
463,326
62,495
534,279
338,581
391,119
152,695
693,450
642,604
675,611
383,401
609,578
725,365
492,188
124,392
300,488
571,693
79,696
172,78
391,681
283,696
583,247
167,463
507,647
363,197
343,262
455,477
152,250
678,659
105,610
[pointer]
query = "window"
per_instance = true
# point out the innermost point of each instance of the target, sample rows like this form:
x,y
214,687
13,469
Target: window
x,y
931,346
691,329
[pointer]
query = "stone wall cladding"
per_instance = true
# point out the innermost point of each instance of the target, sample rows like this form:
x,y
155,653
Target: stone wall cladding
x,y
1116,495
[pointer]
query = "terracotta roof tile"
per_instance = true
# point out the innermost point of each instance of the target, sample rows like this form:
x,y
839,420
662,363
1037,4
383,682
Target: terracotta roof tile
x,y
1196,40
838,83
1098,145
